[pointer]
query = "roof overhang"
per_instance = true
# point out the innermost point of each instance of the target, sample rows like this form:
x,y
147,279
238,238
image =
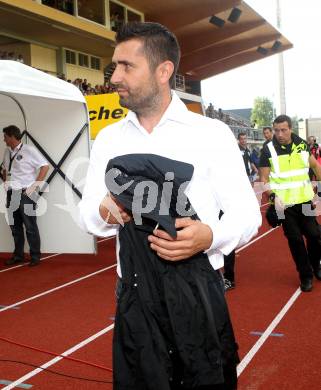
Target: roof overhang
x,y
207,49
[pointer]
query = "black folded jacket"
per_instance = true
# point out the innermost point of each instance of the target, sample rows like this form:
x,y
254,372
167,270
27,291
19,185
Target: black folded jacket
x,y
172,323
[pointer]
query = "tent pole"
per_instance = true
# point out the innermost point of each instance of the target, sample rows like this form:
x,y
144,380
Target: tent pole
x,y
21,109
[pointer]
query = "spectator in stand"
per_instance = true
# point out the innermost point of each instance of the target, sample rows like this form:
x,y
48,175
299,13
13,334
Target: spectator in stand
x,y
84,85
250,167
268,134
315,150
20,58
210,111
115,21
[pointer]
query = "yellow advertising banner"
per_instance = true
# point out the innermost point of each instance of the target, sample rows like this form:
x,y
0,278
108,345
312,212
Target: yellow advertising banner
x,y
103,111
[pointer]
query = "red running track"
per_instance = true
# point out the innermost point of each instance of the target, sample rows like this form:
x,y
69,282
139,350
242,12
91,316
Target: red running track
x,y
70,298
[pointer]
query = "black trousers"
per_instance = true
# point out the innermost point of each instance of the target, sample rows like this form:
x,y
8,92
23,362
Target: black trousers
x,y
21,212
296,225
229,265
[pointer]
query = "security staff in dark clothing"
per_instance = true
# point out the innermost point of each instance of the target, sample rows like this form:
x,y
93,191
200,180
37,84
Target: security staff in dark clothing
x,y
246,154
268,134
24,169
285,163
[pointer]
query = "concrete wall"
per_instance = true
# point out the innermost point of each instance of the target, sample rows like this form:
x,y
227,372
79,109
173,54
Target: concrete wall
x,y
44,58
93,76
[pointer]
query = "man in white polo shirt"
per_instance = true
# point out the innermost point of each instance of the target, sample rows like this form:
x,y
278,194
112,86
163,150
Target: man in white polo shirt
x,y
24,169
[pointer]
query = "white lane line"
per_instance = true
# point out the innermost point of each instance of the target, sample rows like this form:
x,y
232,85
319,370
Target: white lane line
x,y
256,239
58,358
105,239
249,356
57,288
24,264
48,257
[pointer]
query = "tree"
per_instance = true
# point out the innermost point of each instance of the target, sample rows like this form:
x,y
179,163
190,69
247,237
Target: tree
x,y
262,113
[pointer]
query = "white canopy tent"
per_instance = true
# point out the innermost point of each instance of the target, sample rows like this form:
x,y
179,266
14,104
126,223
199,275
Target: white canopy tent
x,y
54,115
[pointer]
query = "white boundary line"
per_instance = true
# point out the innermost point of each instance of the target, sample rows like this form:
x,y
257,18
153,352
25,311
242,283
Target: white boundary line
x,y
256,239
24,264
105,239
58,358
54,255
249,356
57,288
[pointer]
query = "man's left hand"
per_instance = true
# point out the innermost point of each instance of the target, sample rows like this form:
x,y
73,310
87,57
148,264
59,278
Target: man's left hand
x,y
192,237
31,189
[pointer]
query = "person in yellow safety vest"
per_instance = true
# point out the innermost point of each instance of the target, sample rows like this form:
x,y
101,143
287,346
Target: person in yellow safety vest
x,y
284,168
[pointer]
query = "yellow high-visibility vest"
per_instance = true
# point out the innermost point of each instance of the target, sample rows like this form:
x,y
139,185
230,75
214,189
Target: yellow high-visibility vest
x,y
289,175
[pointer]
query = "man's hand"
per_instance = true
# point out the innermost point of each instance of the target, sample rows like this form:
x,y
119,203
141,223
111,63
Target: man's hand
x,y
112,211
31,189
194,237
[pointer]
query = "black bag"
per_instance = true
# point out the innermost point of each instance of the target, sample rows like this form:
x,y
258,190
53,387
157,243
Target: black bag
x,y
272,217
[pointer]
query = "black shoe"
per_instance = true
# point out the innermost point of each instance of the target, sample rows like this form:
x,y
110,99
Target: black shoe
x,y
228,284
34,262
306,285
317,273
14,260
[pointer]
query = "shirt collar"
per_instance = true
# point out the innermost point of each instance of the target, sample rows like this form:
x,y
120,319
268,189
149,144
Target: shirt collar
x,y
176,111
17,148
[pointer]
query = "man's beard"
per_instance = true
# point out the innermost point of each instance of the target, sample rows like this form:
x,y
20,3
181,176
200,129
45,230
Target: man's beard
x,y
141,102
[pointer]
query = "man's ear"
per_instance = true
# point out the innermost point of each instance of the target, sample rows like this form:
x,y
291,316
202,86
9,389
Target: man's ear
x,y
165,71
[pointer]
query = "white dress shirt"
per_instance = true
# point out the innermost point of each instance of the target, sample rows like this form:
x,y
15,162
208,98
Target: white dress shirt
x,y
27,161
219,180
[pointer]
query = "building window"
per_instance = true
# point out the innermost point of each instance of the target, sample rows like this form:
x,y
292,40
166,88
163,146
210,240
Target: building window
x,y
133,16
70,57
95,63
83,60
92,10
62,5
117,15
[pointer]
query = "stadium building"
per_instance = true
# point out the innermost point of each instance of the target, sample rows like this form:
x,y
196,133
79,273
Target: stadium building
x,y
75,38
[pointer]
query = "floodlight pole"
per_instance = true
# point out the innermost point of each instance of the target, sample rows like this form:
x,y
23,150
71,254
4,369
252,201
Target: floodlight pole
x,y
282,104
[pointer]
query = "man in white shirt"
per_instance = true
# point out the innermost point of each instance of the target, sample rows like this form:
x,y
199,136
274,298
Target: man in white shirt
x,y
158,123
24,169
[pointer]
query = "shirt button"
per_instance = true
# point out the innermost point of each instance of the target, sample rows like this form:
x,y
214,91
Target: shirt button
x,y
135,284
135,275
170,351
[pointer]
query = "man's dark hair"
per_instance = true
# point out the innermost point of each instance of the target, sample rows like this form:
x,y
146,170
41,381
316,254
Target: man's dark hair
x,y
159,44
14,131
283,118
267,128
240,135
